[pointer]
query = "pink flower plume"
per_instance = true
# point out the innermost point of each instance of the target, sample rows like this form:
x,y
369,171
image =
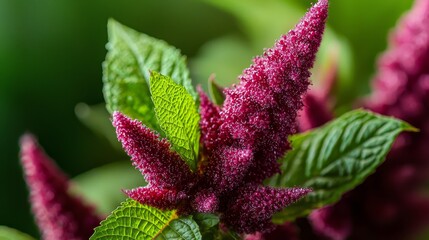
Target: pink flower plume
x,y
59,214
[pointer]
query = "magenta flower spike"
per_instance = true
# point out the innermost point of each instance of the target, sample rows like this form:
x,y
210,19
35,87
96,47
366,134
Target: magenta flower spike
x,y
210,122
161,167
260,113
242,140
388,205
59,214
167,174
160,198
254,206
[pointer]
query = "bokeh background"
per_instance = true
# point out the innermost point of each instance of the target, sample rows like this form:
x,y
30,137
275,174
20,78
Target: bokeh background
x,y
51,54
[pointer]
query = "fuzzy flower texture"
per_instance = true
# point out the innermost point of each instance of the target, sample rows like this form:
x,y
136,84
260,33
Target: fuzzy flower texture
x,y
242,140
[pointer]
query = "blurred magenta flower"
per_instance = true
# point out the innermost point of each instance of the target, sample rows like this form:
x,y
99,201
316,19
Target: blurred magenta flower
x,y
59,214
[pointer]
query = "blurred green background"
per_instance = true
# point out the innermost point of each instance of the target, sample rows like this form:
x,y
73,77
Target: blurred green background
x,y
51,54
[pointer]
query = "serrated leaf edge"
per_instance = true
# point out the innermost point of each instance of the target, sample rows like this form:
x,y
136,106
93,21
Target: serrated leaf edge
x,y
403,127
128,201
193,147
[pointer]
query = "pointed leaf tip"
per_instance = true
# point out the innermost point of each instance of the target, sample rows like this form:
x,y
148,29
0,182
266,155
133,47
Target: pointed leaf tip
x,y
131,55
216,91
177,116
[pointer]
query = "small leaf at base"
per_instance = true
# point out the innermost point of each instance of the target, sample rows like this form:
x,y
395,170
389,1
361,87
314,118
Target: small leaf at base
x,y
133,220
216,91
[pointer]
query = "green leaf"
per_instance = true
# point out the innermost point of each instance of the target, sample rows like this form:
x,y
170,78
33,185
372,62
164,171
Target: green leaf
x,y
133,220
181,228
206,220
115,177
335,158
216,91
262,21
177,115
7,233
130,58
226,57
208,224
97,119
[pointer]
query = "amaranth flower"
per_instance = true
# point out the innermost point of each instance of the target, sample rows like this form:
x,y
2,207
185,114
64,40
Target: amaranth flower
x,y
242,140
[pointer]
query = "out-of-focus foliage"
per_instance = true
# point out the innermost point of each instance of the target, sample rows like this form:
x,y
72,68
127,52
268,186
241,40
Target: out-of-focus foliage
x,y
262,23
97,118
365,24
103,186
228,55
357,30
7,233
